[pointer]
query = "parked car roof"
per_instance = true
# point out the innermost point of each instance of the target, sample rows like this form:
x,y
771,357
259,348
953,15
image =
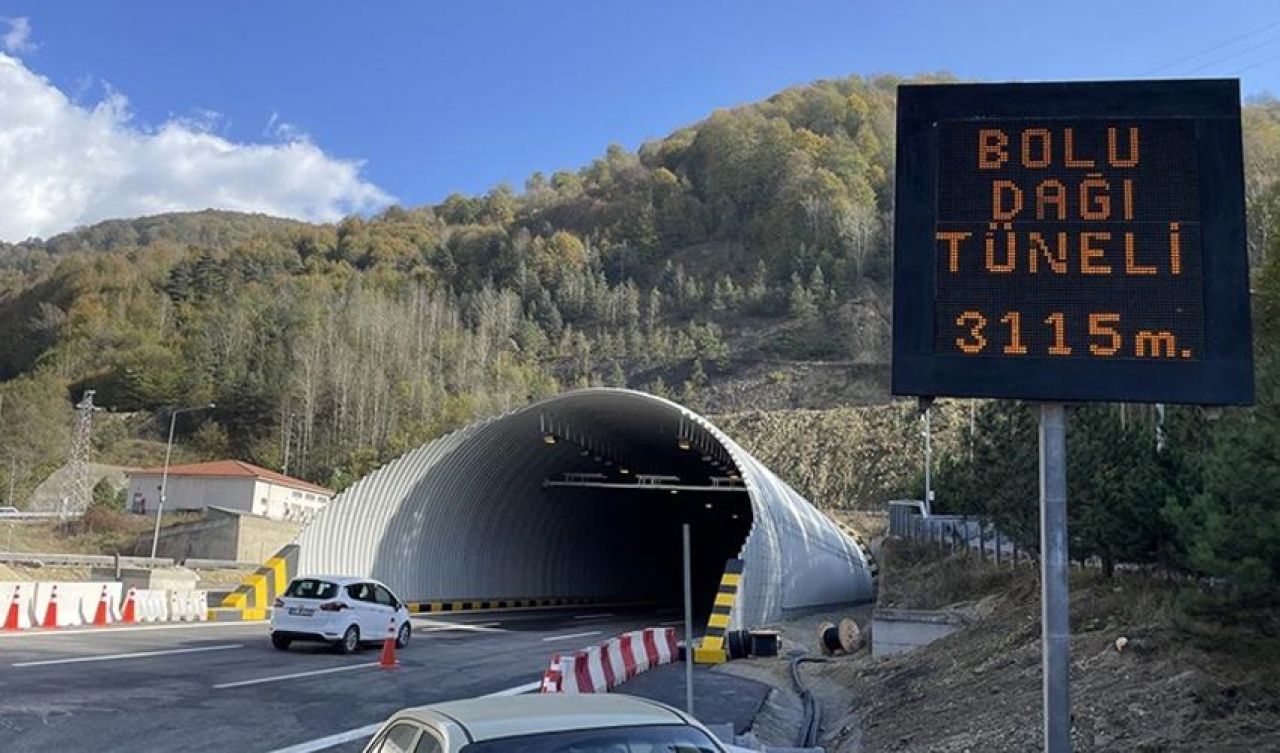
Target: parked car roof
x,y
491,718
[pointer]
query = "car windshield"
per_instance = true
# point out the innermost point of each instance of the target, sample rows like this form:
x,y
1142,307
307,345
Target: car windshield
x,y
310,588
649,739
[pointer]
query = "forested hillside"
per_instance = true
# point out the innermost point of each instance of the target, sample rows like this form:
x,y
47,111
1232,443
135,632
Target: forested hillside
x,y
739,263
742,261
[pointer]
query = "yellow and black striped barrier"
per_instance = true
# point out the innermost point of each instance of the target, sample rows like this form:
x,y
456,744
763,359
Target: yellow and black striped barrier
x,y
872,566
256,592
711,650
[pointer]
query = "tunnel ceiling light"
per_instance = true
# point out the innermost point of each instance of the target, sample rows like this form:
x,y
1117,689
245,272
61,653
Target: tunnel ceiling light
x,y
585,453
706,458
708,505
624,471
549,438
734,516
675,491
683,443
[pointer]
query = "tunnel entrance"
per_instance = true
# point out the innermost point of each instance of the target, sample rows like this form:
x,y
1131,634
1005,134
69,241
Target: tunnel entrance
x,y
583,496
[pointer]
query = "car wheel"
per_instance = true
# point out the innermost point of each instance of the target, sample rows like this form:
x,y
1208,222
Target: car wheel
x,y
281,642
350,642
402,636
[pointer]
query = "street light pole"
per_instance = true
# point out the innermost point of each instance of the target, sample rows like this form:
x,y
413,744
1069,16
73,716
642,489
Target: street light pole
x,y
164,478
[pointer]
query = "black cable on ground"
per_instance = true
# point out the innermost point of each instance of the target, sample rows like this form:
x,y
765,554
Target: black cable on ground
x,y
811,724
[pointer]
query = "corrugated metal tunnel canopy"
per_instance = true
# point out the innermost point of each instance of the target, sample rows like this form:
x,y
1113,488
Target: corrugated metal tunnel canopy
x,y
583,495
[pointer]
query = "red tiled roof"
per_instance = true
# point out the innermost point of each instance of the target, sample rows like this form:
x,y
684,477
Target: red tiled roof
x,y
233,469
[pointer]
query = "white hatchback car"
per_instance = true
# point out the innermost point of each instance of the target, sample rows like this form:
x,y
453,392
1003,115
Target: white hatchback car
x,y
555,723
343,612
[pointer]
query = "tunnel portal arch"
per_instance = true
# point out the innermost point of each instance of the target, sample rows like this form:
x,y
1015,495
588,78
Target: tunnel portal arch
x,y
582,495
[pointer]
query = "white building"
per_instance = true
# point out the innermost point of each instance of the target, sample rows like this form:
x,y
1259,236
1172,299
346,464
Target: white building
x,y
230,484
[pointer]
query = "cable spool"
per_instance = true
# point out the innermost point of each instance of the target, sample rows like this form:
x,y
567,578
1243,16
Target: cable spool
x,y
829,638
850,635
843,638
739,643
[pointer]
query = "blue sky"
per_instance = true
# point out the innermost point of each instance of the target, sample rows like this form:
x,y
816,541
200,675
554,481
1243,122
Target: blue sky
x,y
441,97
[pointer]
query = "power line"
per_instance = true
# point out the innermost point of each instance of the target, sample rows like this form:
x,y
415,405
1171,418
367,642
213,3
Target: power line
x,y
1233,56
1263,61
1213,48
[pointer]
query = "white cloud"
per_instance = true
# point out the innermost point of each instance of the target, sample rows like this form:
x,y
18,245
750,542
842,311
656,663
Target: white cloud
x,y
63,164
17,39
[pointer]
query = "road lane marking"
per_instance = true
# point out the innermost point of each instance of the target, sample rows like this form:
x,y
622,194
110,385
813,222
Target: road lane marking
x,y
437,627
571,635
351,735
294,676
134,655
130,629
593,616
359,733
528,687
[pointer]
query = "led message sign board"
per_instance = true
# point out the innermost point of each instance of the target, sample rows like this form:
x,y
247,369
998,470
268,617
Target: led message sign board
x,y
1072,242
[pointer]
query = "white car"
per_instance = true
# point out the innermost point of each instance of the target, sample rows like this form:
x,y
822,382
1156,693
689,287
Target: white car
x,y
343,612
553,723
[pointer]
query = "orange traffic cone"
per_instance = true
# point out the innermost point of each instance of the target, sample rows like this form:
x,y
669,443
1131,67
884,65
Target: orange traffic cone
x,y
100,616
51,611
129,613
388,659
11,619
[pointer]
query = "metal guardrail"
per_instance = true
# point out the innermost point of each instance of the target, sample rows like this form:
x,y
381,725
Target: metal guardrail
x,y
909,520
82,560
32,517
109,560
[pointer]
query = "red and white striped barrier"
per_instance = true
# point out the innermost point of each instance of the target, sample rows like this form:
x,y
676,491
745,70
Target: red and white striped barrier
x,y
25,605
600,668
551,679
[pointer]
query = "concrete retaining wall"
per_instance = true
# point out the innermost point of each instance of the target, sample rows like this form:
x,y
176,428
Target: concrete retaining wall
x,y
897,631
227,535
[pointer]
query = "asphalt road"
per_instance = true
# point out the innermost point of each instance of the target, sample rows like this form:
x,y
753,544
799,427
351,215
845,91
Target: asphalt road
x,y
222,687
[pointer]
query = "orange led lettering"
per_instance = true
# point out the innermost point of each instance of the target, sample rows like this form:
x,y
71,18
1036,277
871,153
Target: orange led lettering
x,y
1175,249
1051,192
1113,149
1046,153
1128,198
975,322
953,239
1015,346
998,190
1100,326
1088,254
1095,204
1131,265
1068,144
1011,249
1059,346
991,148
1057,260
1157,342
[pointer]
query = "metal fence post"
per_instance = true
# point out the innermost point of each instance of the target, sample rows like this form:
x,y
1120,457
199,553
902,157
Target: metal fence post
x,y
1054,572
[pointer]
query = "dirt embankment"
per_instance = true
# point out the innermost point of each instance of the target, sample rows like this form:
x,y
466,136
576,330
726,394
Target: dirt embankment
x,y
1189,678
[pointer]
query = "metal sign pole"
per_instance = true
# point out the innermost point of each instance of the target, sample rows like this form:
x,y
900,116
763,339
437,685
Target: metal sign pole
x,y
688,626
1054,600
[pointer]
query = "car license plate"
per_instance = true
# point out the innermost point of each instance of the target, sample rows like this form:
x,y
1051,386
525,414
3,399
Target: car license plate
x,y
301,611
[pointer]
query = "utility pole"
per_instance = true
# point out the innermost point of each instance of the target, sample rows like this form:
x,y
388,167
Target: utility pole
x,y
688,625
926,413
164,478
